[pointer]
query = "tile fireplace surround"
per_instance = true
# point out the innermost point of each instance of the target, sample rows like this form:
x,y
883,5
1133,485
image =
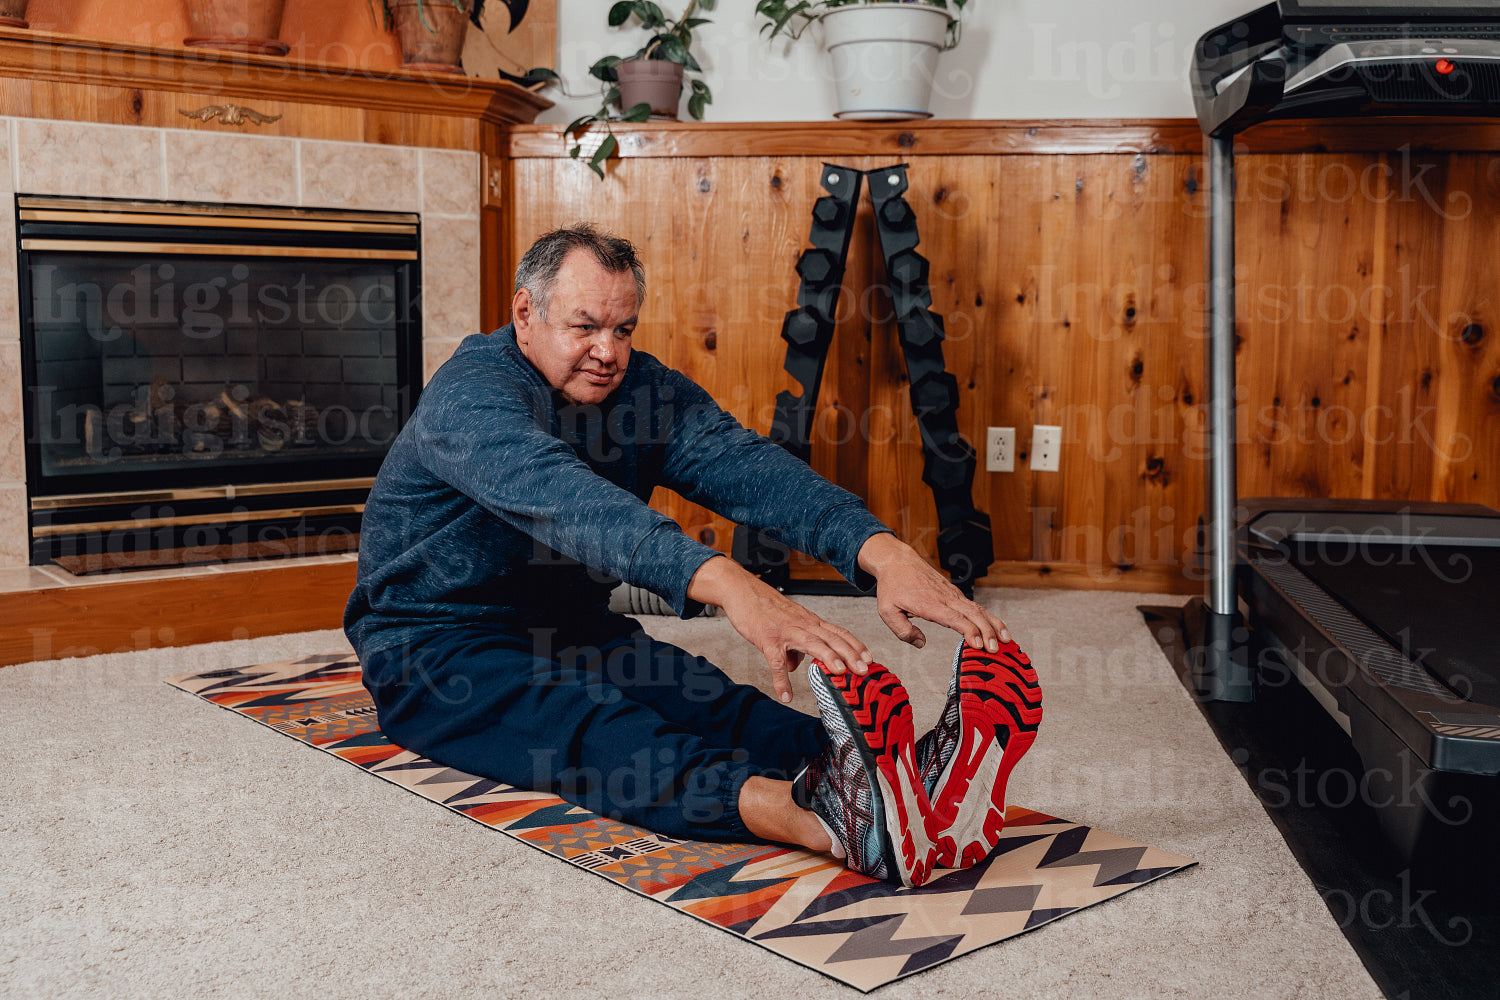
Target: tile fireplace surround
x,y
119,161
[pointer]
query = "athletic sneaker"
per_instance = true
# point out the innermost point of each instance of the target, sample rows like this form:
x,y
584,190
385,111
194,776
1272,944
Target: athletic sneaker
x,y
865,788
935,750
989,722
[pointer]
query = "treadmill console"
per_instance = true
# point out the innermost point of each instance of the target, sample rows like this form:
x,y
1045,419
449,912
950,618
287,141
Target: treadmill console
x,y
1306,58
1313,24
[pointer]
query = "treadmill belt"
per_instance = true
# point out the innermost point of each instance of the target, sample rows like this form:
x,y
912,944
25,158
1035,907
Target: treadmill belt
x,y
1439,604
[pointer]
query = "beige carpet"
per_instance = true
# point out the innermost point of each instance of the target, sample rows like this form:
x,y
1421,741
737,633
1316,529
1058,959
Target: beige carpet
x,y
155,846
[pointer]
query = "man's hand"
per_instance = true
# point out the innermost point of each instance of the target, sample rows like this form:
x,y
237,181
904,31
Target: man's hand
x,y
779,627
907,587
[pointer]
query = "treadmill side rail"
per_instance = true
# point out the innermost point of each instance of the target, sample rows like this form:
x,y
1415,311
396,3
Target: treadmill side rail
x,y
1367,676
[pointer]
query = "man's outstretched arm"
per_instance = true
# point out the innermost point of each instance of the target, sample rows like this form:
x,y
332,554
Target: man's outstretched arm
x,y
715,461
711,459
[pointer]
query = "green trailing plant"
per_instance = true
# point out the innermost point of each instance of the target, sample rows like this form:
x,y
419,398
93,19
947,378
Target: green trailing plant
x,y
578,127
535,75
793,16
475,12
671,41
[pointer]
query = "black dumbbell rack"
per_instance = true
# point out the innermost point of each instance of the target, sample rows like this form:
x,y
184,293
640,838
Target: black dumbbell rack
x,y
965,546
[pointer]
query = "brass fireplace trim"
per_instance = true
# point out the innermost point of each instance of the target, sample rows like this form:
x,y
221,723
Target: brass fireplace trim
x,y
152,213
74,500
214,249
224,222
53,530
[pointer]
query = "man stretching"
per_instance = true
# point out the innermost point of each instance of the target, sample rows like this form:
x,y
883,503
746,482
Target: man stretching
x,y
516,498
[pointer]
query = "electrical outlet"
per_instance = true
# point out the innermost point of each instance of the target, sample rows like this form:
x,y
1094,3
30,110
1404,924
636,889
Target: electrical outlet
x,y
1000,449
1046,446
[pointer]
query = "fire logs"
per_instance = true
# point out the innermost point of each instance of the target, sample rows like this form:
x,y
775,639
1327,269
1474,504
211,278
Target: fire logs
x,y
304,417
279,424
160,422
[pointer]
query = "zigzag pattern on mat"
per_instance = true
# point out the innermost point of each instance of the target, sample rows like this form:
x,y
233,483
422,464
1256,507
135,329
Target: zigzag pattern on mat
x,y
803,906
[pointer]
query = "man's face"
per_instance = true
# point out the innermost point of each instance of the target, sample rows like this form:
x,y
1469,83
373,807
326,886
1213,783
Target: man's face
x,y
582,347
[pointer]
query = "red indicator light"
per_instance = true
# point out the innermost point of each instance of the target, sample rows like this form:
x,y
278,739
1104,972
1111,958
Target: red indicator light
x,y
1444,66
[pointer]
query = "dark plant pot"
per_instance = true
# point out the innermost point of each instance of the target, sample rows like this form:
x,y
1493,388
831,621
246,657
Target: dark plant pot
x,y
435,46
13,14
237,25
656,82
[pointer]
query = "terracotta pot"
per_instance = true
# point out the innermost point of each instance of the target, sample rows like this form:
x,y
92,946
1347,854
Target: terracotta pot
x,y
13,14
436,45
236,25
656,82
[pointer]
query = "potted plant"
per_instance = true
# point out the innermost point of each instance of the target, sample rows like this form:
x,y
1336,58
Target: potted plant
x,y
654,74
237,25
13,14
431,32
647,83
884,52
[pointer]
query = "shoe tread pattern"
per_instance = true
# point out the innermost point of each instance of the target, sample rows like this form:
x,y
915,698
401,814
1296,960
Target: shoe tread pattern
x,y
877,704
1000,701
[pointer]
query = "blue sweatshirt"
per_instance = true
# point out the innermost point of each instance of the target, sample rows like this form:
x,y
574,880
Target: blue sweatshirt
x,y
500,502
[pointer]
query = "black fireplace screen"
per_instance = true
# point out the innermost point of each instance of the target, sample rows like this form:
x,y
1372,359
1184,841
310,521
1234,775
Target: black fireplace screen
x,y
170,347
209,382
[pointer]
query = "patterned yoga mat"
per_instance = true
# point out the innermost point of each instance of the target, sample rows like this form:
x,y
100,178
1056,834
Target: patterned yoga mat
x,y
803,906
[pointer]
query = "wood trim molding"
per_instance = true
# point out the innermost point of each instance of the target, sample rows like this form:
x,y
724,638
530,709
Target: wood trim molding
x,y
1031,575
897,139
1020,137
106,617
1080,576
39,55
125,615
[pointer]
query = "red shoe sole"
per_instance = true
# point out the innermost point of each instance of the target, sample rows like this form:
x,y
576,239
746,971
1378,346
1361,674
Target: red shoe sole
x,y
999,698
878,705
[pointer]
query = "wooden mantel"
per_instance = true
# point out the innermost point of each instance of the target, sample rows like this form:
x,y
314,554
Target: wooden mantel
x,y
45,75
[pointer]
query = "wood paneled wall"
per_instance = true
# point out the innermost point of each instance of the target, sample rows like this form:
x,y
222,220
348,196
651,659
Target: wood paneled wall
x,y
1072,285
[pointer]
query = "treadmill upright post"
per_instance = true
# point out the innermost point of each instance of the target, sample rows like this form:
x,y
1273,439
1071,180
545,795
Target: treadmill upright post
x,y
1219,538
1221,669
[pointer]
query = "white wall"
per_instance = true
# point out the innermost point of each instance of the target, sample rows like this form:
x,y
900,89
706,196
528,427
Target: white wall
x,y
1018,59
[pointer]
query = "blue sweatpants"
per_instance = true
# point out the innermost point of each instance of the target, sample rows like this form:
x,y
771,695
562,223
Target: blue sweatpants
x,y
596,712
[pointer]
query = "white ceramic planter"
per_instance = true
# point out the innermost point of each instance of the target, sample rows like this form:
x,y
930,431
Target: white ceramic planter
x,y
884,58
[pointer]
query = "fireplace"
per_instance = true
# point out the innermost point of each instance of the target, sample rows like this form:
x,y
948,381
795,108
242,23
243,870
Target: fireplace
x,y
204,382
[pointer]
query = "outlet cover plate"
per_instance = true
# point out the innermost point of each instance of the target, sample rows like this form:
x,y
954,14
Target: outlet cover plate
x,y
1000,449
1046,448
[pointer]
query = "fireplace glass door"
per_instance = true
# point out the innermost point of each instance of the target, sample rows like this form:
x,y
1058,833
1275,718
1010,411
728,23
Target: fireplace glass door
x,y
176,348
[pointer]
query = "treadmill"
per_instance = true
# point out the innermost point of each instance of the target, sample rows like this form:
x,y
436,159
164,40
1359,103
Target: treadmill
x,y
1388,612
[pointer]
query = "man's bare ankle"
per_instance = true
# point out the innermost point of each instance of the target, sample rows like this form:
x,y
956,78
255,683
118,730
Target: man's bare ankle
x,y
768,812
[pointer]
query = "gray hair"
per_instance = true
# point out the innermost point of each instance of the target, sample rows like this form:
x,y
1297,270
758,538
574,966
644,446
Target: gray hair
x,y
537,271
